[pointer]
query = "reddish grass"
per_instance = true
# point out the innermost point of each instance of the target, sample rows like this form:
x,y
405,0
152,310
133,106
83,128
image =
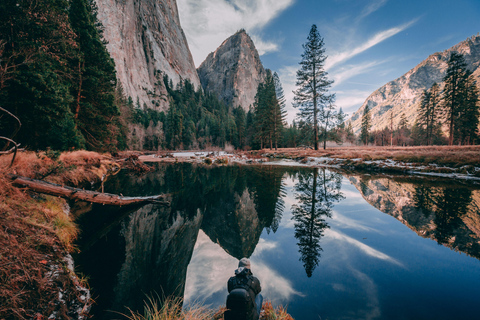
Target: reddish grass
x,y
36,233
448,155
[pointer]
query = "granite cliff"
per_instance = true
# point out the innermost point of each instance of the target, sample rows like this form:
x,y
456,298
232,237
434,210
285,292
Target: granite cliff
x,y
403,94
234,71
146,41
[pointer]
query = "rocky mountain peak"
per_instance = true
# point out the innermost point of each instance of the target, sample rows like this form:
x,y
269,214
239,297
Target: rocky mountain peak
x,y
146,41
402,95
234,71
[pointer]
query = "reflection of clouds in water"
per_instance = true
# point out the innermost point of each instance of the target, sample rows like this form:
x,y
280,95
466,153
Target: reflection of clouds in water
x,y
208,271
348,223
370,292
275,287
263,245
335,235
354,197
289,200
211,267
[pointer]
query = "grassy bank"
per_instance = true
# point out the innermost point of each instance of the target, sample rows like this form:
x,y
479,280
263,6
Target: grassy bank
x,y
37,233
172,309
441,155
463,160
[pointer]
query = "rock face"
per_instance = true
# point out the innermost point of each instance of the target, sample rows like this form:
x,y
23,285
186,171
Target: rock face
x,y
234,71
146,41
403,94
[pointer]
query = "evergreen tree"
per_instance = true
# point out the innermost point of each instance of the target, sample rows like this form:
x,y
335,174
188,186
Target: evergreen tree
x,y
279,112
38,42
366,125
94,89
269,111
466,123
312,82
240,122
452,93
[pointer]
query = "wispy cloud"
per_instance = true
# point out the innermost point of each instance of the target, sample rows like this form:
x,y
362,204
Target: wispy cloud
x,y
381,36
371,8
349,71
208,22
350,100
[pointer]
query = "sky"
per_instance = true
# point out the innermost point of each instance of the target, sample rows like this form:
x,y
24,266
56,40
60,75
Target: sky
x,y
368,42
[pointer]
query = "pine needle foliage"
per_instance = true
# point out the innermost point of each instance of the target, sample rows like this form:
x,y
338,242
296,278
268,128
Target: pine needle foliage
x,y
311,96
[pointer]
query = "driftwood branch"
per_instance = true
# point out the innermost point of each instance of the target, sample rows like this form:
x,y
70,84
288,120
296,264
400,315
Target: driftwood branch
x,y
83,195
13,149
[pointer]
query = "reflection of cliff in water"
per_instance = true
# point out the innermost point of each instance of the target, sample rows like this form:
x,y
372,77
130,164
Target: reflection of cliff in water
x,y
447,212
148,250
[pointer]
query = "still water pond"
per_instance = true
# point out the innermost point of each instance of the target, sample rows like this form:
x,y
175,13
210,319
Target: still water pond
x,y
327,245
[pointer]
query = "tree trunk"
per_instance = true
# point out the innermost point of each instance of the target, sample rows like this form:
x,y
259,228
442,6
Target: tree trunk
x,y
82,195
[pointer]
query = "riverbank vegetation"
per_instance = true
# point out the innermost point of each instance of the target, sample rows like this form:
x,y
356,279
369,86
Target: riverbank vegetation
x,y
37,232
172,309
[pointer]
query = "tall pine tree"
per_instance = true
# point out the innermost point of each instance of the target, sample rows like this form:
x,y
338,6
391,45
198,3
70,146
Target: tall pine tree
x,y
94,86
452,93
366,125
39,42
312,94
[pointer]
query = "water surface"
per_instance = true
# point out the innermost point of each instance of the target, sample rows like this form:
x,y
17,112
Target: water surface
x,y
328,245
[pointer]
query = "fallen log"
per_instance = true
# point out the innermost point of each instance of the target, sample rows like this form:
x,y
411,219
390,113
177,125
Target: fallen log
x,y
83,195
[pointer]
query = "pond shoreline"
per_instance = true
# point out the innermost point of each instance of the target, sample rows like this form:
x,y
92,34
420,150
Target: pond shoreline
x,y
457,162
82,167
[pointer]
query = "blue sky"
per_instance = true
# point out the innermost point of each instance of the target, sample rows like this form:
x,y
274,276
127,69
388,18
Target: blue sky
x,y
368,42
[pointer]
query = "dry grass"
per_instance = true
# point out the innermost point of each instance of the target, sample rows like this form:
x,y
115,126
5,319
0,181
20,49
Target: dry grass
x,y
279,313
172,309
36,232
443,155
33,236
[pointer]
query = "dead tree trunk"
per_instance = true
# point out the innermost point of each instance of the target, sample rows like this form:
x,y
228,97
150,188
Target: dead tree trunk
x,y
83,195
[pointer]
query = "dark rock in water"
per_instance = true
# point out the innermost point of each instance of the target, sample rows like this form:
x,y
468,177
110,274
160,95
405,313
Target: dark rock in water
x,y
234,224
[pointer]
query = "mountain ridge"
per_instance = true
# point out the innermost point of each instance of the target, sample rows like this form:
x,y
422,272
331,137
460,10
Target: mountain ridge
x,y
402,95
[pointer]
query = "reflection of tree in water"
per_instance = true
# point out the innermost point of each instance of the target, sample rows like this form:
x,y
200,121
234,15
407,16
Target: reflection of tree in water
x,y
448,204
266,182
316,193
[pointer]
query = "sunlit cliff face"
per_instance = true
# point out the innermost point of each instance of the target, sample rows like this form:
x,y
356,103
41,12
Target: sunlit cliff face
x,y
146,42
234,71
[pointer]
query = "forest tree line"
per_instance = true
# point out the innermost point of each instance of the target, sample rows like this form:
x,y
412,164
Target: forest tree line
x,y
448,113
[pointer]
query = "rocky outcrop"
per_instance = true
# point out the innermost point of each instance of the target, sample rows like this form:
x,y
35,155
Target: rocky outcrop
x,y
403,94
146,41
234,71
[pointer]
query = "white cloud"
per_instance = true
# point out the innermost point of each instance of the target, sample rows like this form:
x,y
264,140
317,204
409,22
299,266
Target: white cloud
x,y
350,71
339,57
207,23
